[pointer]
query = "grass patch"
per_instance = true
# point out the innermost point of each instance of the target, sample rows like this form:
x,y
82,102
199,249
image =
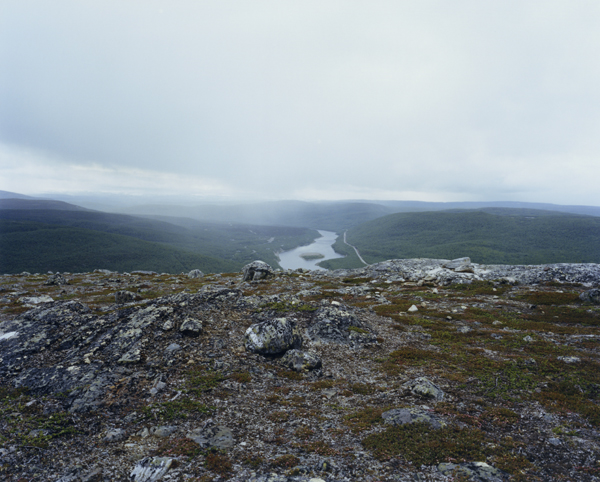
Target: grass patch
x,y
176,409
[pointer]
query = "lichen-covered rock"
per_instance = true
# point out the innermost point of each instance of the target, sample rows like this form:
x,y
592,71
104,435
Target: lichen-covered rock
x,y
425,388
591,296
195,273
151,469
191,327
300,361
273,337
475,471
256,270
212,435
339,325
402,416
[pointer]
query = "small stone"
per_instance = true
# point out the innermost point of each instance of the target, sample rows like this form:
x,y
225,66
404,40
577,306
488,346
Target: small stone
x,y
212,435
569,359
300,361
413,308
163,430
151,469
115,435
122,297
528,339
425,388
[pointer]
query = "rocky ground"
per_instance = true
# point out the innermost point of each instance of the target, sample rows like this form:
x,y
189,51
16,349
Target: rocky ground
x,y
408,370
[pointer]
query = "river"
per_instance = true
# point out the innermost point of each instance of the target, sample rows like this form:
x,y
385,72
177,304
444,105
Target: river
x,y
293,260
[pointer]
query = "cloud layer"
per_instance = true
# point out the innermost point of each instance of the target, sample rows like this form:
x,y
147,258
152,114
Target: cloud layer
x,y
428,100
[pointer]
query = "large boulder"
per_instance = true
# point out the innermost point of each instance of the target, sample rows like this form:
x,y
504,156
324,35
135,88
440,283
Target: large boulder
x,y
337,324
195,273
56,280
273,337
257,270
402,416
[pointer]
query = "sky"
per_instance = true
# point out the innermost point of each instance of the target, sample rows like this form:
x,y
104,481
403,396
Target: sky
x,y
468,100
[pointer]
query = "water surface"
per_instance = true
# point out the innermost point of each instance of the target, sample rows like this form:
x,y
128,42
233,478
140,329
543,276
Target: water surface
x,y
292,259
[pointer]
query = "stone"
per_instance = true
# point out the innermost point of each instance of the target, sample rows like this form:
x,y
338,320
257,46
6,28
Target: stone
x,y
569,359
35,300
151,469
475,471
122,297
212,435
591,296
191,327
272,337
256,270
425,388
337,324
464,329
115,435
163,430
56,280
195,273
457,263
413,308
401,416
300,361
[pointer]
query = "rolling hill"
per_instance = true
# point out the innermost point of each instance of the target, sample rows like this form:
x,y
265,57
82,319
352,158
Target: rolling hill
x,y
43,235
492,235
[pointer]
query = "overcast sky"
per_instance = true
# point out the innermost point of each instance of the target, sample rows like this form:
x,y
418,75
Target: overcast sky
x,y
427,100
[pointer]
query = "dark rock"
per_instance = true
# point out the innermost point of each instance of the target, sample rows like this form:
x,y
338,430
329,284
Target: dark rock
x,y
191,327
338,325
115,435
122,297
591,296
56,280
256,270
273,337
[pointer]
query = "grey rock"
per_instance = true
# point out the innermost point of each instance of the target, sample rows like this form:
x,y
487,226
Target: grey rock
x,y
115,435
476,471
212,435
425,388
163,430
569,359
191,327
402,416
554,441
151,469
144,272
591,296
272,337
173,347
300,361
56,280
463,329
35,300
195,273
256,270
457,263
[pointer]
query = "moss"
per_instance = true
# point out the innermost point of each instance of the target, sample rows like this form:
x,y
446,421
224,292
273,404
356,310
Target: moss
x,y
218,463
290,375
241,377
549,298
199,381
303,433
320,448
278,417
285,461
176,409
420,444
357,330
178,447
364,419
363,388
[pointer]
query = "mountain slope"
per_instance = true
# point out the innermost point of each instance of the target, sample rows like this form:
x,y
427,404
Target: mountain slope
x,y
509,236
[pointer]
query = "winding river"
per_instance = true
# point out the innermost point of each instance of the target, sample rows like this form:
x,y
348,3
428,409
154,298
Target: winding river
x,y
293,259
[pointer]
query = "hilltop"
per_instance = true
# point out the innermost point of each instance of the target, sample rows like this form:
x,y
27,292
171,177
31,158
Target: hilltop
x,y
406,370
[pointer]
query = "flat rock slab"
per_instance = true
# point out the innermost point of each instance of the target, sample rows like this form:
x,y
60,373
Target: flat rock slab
x,y
151,469
475,471
402,416
212,435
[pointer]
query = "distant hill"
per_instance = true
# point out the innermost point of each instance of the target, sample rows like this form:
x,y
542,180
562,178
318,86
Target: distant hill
x,y
75,240
333,216
13,195
20,203
493,236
